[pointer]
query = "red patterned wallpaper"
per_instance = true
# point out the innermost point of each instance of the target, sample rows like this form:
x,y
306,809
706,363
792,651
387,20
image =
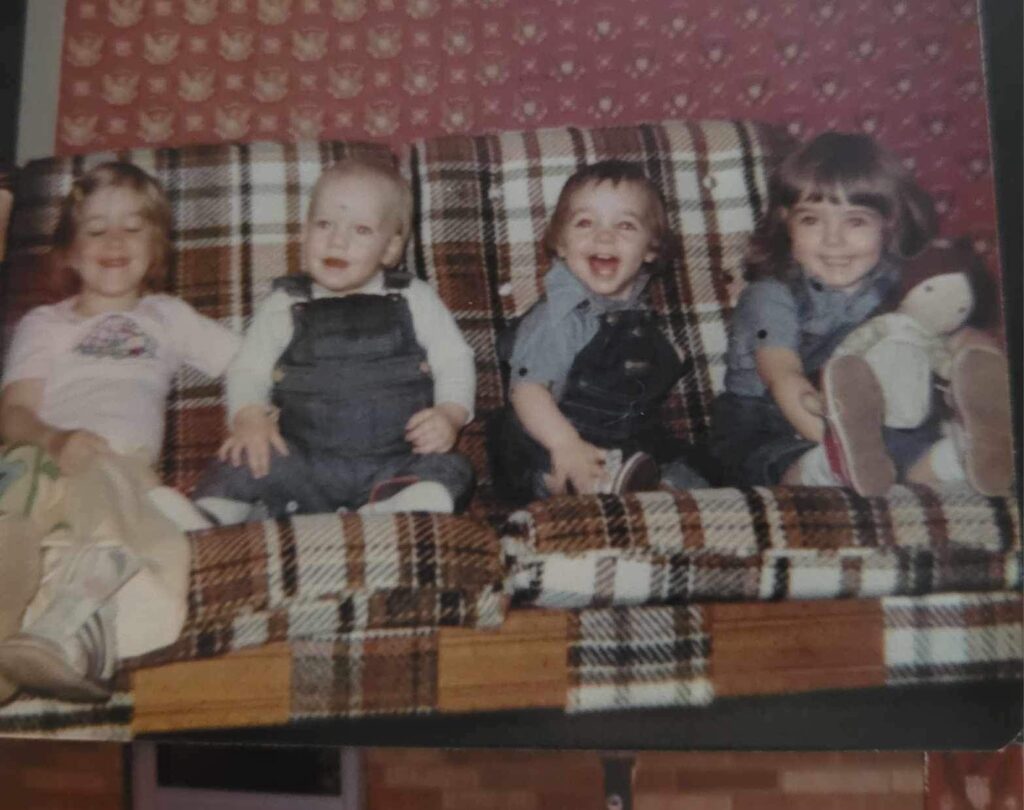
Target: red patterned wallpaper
x,y
169,72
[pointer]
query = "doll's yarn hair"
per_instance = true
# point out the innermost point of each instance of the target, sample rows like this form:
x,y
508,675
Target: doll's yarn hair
x,y
841,168
615,172
942,257
153,207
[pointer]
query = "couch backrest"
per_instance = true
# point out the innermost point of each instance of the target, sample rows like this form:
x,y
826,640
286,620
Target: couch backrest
x,y
482,204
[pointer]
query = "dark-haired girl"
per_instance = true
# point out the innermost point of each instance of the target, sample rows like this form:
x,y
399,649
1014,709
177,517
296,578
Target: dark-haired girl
x,y
844,214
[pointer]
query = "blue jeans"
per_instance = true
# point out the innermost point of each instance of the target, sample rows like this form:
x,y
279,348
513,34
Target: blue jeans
x,y
304,483
755,444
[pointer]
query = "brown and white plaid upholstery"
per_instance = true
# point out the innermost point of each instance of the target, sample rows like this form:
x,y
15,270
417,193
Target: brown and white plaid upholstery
x,y
322,577
759,544
360,674
483,203
57,719
647,656
626,657
953,637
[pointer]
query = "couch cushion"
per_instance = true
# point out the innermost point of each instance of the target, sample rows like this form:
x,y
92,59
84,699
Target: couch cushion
x,y
483,203
322,577
238,213
760,544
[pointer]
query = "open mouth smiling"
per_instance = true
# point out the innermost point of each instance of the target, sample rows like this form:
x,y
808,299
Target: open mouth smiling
x,y
603,264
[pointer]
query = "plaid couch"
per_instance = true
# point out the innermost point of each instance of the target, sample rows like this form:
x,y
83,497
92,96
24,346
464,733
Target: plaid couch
x,y
361,599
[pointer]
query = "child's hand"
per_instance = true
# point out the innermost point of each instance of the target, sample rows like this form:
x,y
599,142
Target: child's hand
x,y
75,449
253,433
434,430
577,462
782,372
813,403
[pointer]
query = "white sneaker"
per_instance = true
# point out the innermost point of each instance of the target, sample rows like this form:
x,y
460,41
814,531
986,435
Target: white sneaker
x,y
638,473
179,509
76,667
224,511
423,496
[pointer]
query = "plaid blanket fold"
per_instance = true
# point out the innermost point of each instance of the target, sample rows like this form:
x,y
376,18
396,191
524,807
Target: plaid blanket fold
x,y
763,544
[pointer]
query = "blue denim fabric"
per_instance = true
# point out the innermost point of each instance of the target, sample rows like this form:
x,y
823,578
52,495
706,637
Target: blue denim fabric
x,y
346,386
755,444
352,376
613,395
307,483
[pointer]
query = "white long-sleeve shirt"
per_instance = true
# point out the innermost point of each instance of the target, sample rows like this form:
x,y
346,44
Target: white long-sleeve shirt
x,y
250,381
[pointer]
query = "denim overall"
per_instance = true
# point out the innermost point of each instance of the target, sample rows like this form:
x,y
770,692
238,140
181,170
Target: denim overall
x,y
345,387
613,396
355,355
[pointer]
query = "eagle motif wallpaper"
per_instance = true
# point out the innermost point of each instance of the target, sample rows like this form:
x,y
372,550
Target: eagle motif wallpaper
x,y
170,72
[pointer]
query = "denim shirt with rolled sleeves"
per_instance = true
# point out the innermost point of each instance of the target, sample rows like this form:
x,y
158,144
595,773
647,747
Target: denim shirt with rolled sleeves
x,y
803,315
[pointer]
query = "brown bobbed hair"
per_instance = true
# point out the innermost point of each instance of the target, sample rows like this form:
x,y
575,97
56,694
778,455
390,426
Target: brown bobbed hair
x,y
378,169
841,167
155,210
614,172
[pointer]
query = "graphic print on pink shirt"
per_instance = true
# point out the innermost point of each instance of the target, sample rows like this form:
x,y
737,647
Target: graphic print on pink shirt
x,y
117,337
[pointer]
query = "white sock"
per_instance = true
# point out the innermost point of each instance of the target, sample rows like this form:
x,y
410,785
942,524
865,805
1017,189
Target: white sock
x,y
945,461
815,471
172,504
423,496
226,511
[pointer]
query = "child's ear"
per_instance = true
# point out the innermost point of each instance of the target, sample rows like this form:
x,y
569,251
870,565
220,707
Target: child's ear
x,y
393,251
559,248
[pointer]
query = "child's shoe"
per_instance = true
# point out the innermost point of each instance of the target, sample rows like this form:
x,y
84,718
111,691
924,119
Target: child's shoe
x,y
75,668
225,512
638,473
855,407
408,495
68,650
979,391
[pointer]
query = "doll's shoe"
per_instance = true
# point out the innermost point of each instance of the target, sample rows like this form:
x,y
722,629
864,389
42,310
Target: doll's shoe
x,y
853,442
638,473
70,671
980,394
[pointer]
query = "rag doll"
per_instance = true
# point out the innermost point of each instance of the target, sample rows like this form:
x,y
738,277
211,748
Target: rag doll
x,y
925,360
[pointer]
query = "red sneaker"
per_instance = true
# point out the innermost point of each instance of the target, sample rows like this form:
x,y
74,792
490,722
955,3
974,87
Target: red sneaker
x,y
854,408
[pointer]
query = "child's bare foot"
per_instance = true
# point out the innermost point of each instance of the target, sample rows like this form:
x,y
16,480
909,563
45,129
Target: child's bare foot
x,y
855,408
980,394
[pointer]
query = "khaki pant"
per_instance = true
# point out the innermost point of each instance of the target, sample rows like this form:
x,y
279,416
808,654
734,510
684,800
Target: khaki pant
x,y
43,513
